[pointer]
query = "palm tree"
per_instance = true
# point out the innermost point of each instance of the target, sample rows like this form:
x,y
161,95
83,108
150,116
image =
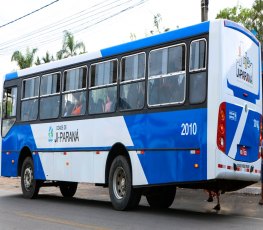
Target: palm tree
x,y
70,47
24,61
47,58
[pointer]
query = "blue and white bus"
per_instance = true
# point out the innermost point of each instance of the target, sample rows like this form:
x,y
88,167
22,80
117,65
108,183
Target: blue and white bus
x,y
179,109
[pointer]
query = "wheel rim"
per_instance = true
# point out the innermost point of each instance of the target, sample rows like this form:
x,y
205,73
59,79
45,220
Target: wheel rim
x,y
28,178
119,183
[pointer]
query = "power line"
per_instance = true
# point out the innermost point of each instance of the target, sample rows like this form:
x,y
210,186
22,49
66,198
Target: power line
x,y
8,23
52,34
62,23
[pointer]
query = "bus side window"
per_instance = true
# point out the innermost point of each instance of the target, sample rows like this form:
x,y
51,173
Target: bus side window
x,y
132,88
9,102
167,85
29,103
103,87
197,71
49,96
74,92
9,109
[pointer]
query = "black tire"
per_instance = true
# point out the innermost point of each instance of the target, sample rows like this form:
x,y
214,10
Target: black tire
x,y
68,189
123,196
30,186
161,198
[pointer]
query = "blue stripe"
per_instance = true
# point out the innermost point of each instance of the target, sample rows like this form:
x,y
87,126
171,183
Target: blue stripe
x,y
11,76
161,167
239,92
241,29
157,39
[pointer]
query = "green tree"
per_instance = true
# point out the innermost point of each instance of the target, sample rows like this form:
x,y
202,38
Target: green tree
x,y
47,58
70,47
24,60
252,18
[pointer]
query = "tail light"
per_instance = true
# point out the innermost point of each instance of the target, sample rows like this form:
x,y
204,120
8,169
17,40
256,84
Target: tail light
x,y
221,127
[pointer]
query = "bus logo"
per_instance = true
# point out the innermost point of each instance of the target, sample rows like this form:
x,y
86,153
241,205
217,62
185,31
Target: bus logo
x,y
50,134
244,67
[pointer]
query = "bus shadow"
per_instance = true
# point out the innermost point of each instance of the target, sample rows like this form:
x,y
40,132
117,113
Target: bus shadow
x,y
142,210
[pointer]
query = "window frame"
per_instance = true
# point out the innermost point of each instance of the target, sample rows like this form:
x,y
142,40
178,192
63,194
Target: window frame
x,y
200,69
73,90
23,88
133,81
160,76
104,85
52,94
4,108
44,96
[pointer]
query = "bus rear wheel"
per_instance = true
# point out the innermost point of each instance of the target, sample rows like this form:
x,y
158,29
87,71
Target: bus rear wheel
x,y
68,189
123,196
30,186
161,198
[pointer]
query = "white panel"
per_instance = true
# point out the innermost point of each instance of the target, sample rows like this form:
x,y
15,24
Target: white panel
x,y
138,175
99,167
64,166
80,167
101,132
214,93
240,62
47,161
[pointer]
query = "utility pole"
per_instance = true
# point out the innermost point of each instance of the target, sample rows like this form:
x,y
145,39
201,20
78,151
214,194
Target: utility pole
x,y
204,10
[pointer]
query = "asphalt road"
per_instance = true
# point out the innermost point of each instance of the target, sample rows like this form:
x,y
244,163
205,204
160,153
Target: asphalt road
x,y
91,209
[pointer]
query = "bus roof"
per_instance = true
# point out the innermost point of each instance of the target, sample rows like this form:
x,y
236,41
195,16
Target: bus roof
x,y
177,34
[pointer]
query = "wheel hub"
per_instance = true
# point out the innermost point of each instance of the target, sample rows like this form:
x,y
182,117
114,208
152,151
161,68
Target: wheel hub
x,y
28,178
119,183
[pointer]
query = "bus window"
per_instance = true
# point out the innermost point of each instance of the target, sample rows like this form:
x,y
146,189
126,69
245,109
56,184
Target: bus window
x,y
9,109
197,69
74,92
29,104
103,87
166,84
75,79
132,88
198,55
9,102
49,96
74,104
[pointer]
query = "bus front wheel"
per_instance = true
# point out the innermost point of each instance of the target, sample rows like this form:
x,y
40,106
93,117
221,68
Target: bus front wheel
x,y
68,189
30,186
123,196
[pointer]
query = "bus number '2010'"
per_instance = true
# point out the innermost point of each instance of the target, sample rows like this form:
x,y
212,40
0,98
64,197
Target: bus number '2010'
x,y
188,129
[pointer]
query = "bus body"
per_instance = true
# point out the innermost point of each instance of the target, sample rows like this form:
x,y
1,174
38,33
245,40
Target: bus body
x,y
185,112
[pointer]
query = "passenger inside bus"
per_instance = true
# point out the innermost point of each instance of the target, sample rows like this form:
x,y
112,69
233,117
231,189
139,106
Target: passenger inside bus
x,y
110,103
79,107
68,108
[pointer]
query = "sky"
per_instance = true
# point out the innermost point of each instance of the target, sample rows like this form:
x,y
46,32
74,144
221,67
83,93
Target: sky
x,y
97,23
